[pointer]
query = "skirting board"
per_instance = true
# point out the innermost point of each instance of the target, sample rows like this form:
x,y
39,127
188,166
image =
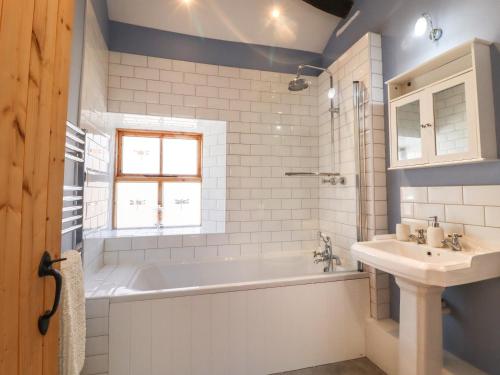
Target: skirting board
x,y
382,342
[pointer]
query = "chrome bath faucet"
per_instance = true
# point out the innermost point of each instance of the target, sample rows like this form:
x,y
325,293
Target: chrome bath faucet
x,y
327,254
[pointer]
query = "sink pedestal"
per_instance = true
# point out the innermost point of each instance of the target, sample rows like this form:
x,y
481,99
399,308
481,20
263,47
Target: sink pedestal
x,y
420,329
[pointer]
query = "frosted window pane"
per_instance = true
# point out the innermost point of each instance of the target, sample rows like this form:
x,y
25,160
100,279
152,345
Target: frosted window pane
x,y
181,204
180,156
141,155
136,204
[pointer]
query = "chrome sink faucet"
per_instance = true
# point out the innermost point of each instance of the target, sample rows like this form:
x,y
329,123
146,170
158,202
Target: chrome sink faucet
x,y
419,238
327,254
453,242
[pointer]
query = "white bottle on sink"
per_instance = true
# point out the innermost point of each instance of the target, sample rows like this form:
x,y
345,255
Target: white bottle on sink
x,y
435,234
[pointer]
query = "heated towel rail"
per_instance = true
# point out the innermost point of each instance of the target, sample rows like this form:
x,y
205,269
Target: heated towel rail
x,y
72,218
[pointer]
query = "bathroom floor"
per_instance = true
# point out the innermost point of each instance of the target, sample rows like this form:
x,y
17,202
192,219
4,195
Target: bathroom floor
x,y
361,366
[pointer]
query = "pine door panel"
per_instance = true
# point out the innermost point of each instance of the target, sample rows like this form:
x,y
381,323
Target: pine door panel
x,y
35,39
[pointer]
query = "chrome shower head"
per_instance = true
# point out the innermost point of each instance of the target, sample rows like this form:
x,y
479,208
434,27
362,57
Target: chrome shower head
x,y
298,84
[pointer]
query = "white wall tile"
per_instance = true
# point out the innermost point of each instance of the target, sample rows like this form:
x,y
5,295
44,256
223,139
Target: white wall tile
x,y
97,327
182,253
407,210
131,257
465,214
112,244
482,195
96,365
414,194
96,345
157,255
446,194
135,60
150,242
485,234
96,308
492,216
426,210
475,215
169,241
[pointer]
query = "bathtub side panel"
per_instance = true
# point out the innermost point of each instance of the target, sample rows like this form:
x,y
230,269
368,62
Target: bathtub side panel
x,y
201,335
140,343
119,338
258,331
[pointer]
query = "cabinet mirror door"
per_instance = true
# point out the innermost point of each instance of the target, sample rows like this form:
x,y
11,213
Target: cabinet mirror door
x,y
454,130
407,137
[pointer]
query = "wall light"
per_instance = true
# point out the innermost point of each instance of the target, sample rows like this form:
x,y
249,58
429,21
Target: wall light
x,y
331,93
423,24
275,13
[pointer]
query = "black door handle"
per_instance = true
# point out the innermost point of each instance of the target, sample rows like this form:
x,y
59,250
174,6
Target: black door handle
x,y
45,269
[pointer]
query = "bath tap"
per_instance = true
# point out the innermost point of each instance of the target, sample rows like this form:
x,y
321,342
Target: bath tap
x,y
327,254
453,242
419,238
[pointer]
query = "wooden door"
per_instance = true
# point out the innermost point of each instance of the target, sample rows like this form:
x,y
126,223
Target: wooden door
x,y
35,41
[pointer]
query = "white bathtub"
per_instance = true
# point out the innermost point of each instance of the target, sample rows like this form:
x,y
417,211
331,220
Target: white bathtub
x,y
239,316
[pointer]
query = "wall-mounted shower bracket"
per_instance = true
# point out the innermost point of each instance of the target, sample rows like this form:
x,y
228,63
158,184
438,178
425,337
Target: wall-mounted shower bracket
x,y
333,180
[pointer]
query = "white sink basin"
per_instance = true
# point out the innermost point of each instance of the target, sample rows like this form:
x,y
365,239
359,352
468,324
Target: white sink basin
x,y
430,266
422,273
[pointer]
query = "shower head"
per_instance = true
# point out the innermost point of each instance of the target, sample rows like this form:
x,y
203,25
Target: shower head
x,y
298,84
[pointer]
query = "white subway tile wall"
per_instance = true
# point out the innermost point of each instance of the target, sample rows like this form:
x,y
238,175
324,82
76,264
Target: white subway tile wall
x,y
362,62
97,345
470,210
269,131
337,213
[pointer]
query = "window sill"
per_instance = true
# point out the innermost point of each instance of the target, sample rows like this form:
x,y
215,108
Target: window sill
x,y
147,232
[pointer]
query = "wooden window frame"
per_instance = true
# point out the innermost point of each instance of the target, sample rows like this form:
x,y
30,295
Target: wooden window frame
x,y
159,178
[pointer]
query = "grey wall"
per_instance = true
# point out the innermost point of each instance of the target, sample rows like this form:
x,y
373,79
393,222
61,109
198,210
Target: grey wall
x,y
473,330
169,45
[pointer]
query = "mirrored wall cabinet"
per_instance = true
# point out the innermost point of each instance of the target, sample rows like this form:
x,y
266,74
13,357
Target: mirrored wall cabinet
x,y
442,112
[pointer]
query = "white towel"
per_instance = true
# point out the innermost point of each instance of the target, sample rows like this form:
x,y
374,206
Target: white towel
x,y
73,314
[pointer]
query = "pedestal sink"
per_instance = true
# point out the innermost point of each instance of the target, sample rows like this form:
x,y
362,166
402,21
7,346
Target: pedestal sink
x,y
422,273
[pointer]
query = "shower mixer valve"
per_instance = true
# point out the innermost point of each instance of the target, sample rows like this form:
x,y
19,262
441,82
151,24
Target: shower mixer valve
x,y
333,180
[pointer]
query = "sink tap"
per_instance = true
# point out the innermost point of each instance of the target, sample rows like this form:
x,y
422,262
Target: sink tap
x,y
453,242
327,254
419,238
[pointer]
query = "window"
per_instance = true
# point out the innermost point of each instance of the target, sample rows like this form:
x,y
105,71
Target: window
x,y
158,179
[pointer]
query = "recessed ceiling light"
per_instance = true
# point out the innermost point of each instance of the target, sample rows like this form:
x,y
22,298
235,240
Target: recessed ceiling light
x,y
187,2
275,13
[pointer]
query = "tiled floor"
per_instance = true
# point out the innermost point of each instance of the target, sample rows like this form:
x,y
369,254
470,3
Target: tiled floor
x,y
362,366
